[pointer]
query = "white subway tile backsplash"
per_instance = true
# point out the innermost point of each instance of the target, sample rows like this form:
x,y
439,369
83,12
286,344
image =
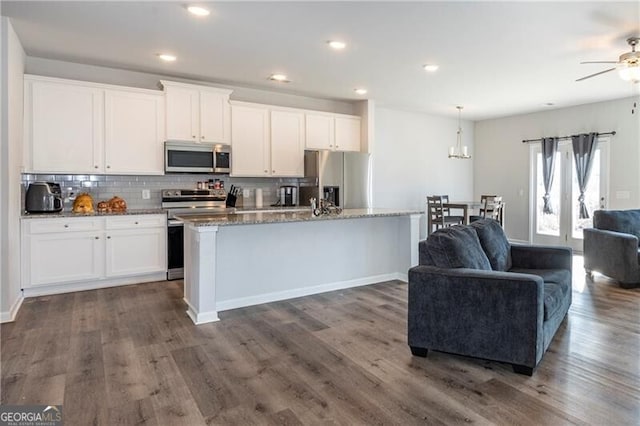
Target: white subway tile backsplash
x,y
103,187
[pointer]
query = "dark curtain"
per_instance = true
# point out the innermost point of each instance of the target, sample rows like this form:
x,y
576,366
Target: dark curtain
x,y
549,149
584,148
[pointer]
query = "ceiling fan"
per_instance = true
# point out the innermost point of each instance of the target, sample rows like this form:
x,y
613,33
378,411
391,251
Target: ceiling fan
x,y
628,65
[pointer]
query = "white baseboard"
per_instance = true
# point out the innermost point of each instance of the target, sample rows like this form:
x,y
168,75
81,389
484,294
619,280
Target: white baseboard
x,y
92,285
10,316
200,317
305,291
513,241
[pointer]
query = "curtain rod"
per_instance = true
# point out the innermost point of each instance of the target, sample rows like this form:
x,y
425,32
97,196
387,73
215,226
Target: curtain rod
x,y
567,137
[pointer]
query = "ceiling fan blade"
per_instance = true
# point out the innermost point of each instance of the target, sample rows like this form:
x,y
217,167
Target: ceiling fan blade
x,y
598,73
599,62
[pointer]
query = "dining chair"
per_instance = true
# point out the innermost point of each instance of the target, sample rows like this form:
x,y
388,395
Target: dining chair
x,y
436,215
447,210
491,208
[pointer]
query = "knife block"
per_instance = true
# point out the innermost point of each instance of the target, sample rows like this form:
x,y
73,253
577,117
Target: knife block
x,y
234,201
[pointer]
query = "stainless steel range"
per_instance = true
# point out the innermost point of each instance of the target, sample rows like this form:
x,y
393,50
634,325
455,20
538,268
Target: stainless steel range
x,y
186,201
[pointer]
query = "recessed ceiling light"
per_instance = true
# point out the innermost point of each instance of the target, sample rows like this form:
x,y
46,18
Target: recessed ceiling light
x,y
337,45
167,57
280,78
360,91
198,11
431,67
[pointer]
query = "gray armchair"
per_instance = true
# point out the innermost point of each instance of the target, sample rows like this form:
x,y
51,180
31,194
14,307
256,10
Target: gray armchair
x,y
474,294
611,246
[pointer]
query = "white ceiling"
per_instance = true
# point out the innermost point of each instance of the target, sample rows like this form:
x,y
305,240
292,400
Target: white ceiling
x,y
496,58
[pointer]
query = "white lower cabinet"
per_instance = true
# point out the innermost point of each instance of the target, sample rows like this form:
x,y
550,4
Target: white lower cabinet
x,y
136,251
58,252
58,257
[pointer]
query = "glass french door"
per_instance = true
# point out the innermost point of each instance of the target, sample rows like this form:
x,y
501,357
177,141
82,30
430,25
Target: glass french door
x,y
564,227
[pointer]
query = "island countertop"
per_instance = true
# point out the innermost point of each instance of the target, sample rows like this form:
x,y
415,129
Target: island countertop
x,y
254,218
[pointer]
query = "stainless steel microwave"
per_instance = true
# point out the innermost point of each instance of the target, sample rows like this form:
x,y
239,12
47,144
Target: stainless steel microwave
x,y
190,157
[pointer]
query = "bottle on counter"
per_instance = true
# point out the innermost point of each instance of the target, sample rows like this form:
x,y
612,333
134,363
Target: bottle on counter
x,y
258,197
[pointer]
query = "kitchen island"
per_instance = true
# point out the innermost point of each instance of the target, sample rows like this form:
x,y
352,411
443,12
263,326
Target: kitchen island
x,y
248,258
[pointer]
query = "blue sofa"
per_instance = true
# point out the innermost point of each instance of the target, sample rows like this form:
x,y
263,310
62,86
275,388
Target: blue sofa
x,y
475,294
611,246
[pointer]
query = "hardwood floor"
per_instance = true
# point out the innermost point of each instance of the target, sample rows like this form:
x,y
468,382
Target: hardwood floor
x,y
129,355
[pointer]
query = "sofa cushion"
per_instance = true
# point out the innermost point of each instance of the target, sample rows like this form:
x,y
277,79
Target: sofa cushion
x,y
558,276
553,297
494,243
457,247
424,257
625,221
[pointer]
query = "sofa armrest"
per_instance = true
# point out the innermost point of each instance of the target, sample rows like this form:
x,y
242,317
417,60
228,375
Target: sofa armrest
x,y
541,257
614,254
487,314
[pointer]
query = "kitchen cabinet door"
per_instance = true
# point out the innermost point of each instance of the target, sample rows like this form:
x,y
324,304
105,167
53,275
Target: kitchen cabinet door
x,y
136,251
287,143
250,147
64,127
182,113
64,258
134,133
347,134
319,131
214,117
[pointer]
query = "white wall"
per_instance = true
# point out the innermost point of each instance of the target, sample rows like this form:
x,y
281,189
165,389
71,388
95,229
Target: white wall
x,y
502,160
12,68
98,74
410,160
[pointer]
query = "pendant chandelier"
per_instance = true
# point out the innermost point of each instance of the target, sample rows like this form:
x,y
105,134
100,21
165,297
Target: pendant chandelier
x,y
459,151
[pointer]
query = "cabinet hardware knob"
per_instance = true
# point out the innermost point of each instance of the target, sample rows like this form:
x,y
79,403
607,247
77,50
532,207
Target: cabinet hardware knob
x,y
108,167
95,167
109,237
136,223
330,146
97,238
273,171
266,171
66,226
201,137
194,136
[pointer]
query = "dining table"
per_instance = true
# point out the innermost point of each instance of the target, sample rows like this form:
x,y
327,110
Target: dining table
x,y
467,207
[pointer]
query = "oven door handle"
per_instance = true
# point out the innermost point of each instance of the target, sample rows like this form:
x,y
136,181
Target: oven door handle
x,y
175,222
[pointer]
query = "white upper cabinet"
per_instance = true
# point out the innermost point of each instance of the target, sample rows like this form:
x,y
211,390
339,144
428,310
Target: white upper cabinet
x,y
133,145
333,132
79,127
347,133
197,113
215,119
63,127
250,142
182,111
320,131
287,143
266,141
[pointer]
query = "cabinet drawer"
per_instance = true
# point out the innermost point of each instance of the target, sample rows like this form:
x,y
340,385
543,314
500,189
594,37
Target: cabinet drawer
x,y
137,221
72,224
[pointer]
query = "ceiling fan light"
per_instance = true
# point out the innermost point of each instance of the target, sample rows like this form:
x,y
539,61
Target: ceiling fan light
x,y
629,72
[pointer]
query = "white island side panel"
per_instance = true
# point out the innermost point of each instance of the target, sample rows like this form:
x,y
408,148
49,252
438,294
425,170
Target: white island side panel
x,y
228,267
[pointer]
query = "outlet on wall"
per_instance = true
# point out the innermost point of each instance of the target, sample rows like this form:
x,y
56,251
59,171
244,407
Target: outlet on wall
x,y
146,194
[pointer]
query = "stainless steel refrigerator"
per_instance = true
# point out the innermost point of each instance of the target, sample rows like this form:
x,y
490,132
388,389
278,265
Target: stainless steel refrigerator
x,y
342,177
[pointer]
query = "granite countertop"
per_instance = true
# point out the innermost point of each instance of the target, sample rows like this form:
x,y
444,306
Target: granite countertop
x,y
254,218
64,214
